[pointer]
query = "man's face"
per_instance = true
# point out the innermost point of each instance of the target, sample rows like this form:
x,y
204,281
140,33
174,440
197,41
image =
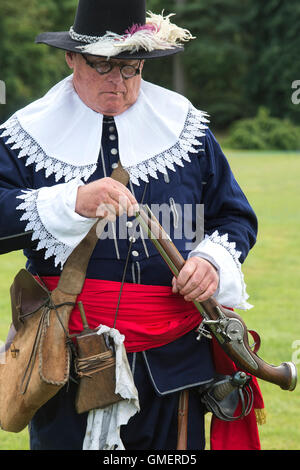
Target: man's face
x,y
109,94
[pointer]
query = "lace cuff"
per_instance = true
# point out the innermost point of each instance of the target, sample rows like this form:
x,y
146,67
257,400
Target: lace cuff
x,y
50,212
223,255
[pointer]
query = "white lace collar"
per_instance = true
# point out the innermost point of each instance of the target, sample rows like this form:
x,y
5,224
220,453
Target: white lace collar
x,y
60,134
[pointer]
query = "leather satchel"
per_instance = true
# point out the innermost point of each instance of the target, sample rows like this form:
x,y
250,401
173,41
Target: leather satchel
x,y
95,365
36,354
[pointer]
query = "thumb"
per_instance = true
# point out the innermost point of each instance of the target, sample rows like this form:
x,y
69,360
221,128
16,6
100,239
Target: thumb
x,y
174,285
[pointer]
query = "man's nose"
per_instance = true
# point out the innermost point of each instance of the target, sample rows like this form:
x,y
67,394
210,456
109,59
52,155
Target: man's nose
x,y
115,74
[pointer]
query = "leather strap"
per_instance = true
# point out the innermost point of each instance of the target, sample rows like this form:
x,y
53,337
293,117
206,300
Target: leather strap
x,y
74,272
183,408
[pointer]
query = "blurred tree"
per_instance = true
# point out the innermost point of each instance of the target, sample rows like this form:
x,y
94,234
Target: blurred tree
x,y
274,27
215,63
217,60
245,55
27,69
178,66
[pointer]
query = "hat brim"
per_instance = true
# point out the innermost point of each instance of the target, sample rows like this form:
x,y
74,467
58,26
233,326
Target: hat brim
x,y
62,40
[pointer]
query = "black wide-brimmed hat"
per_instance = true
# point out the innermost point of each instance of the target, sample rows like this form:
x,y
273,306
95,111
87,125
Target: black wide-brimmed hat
x,y
118,29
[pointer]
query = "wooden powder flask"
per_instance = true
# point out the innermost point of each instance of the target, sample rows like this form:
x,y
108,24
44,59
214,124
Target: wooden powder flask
x,y
95,367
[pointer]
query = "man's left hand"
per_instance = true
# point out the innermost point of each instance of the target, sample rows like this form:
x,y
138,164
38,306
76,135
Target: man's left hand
x,y
198,280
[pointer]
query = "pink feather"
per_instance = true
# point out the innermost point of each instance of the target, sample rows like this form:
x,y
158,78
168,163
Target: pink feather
x,y
136,27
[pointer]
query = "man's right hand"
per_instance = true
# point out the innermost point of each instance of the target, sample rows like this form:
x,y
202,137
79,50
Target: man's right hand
x,y
105,197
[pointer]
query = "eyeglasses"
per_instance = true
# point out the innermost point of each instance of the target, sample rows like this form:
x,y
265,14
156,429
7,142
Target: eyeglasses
x,y
105,66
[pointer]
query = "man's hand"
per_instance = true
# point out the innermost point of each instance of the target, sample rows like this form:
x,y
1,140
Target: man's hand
x,y
198,280
105,198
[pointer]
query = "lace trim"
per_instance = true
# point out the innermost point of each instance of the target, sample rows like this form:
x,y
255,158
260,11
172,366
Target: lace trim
x,y
36,155
187,143
52,246
194,126
231,248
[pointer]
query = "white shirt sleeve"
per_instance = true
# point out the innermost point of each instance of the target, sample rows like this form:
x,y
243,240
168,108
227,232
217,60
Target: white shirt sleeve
x,y
51,216
222,254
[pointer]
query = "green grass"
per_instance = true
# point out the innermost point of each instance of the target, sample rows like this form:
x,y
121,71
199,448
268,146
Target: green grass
x,y
9,266
272,273
270,181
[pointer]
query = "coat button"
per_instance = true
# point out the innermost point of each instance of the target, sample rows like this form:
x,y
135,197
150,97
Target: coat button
x,y
135,253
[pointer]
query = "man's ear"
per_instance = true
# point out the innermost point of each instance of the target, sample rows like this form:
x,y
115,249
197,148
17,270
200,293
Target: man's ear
x,y
70,56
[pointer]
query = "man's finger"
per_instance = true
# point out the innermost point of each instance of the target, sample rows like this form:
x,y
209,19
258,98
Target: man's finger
x,y
121,190
195,283
185,274
210,291
125,203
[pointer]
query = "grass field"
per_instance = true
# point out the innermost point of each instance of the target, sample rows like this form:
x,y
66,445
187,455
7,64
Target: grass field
x,y
272,273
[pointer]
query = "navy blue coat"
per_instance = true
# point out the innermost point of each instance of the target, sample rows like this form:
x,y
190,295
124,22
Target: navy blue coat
x,y
207,180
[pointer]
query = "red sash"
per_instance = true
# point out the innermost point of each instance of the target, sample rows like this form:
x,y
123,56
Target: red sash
x,y
148,316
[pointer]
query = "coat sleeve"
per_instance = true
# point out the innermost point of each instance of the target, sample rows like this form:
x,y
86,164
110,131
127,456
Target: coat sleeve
x,y
35,214
13,179
230,226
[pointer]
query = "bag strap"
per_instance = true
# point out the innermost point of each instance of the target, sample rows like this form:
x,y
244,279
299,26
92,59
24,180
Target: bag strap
x,y
74,272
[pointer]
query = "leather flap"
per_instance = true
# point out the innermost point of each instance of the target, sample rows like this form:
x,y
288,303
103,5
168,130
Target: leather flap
x,y
27,296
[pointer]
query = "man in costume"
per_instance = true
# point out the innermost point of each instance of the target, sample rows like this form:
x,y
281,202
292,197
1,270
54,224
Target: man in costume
x,y
56,157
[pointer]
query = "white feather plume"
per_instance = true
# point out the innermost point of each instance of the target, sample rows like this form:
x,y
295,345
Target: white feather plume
x,y
168,31
158,34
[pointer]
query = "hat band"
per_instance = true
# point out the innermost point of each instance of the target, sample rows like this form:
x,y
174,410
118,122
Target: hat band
x,y
83,37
